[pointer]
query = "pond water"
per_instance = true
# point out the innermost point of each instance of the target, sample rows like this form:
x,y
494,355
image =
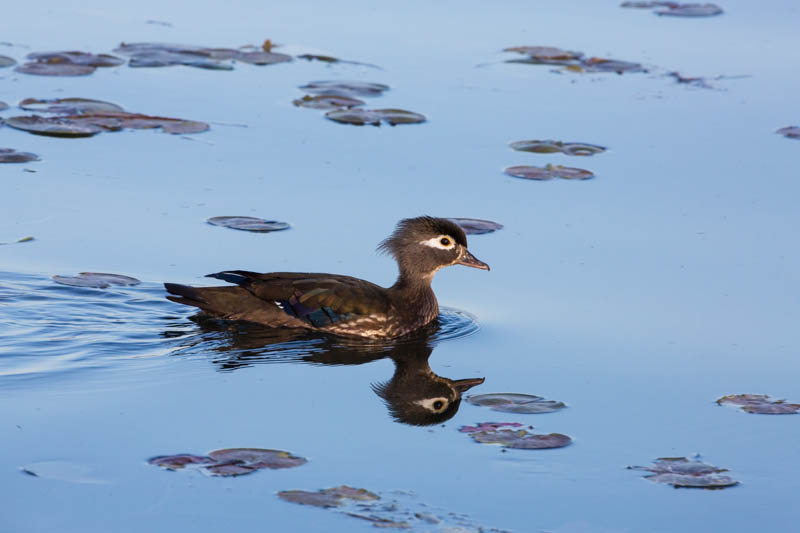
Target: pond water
x,y
638,297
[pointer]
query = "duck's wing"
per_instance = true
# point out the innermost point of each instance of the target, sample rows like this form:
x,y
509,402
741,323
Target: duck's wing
x,y
320,300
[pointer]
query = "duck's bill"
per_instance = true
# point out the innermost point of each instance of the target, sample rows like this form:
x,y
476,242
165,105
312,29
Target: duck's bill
x,y
471,261
463,385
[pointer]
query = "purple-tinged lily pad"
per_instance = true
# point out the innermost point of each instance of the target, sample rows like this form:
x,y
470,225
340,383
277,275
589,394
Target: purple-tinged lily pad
x,y
9,155
177,462
548,172
52,126
6,61
516,403
476,226
55,69
165,55
332,497
258,458
76,58
96,280
690,10
488,426
760,404
345,88
248,224
792,132
69,106
683,472
327,101
374,117
94,117
550,147
229,469
493,433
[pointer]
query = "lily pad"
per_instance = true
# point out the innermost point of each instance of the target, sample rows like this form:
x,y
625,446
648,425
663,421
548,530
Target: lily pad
x,y
52,126
177,462
8,155
476,226
55,69
548,172
96,280
345,88
571,60
690,10
760,404
494,433
374,117
332,497
489,426
68,106
547,55
327,101
550,147
76,58
683,472
258,458
165,55
6,61
600,64
516,403
93,122
792,132
248,224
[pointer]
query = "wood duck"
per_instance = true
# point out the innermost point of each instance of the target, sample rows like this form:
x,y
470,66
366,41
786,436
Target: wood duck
x,y
344,305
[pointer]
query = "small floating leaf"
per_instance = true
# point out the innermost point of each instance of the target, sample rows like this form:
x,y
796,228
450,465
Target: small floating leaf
x,y
546,54
9,155
516,403
519,438
55,69
690,10
792,132
345,88
760,404
52,126
96,280
476,226
332,497
6,61
76,58
68,106
327,101
374,117
248,223
547,172
683,472
600,64
549,147
177,462
258,458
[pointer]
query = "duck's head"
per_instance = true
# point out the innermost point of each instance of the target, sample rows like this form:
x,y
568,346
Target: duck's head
x,y
423,245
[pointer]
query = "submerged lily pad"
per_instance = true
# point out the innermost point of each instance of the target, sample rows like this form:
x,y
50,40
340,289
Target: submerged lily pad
x,y
9,155
345,88
792,132
494,433
510,402
683,472
374,117
760,404
327,101
230,462
476,226
165,55
548,172
332,497
550,147
248,224
6,61
96,280
68,106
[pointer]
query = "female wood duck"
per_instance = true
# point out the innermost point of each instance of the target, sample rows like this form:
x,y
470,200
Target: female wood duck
x,y
344,305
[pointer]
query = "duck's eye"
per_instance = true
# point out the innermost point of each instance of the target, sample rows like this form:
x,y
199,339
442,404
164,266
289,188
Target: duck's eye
x,y
445,241
438,404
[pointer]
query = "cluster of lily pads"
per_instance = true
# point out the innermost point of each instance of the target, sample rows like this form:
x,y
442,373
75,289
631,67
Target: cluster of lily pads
x,y
339,99
553,171
572,61
230,462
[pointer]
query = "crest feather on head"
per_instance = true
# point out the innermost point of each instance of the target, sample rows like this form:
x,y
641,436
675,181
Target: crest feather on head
x,y
412,230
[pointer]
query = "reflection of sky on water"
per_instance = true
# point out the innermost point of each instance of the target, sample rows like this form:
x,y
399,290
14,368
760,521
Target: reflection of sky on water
x,y
638,297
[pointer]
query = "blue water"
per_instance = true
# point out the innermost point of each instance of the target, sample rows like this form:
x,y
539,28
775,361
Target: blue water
x,y
638,297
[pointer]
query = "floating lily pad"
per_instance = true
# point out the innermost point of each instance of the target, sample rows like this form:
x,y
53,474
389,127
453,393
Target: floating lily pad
x,y
96,280
548,55
600,64
6,61
89,123
230,462
331,59
792,132
345,88
516,403
165,55
249,224
8,155
572,61
374,117
52,126
690,10
548,172
760,404
68,106
550,147
494,433
683,472
476,226
177,462
55,69
332,497
76,58
327,101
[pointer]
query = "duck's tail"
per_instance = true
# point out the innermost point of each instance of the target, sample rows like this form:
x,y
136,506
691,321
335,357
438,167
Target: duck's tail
x,y
214,300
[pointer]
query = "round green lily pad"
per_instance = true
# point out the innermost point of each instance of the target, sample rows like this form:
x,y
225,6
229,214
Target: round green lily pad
x,y
248,223
516,403
258,458
96,280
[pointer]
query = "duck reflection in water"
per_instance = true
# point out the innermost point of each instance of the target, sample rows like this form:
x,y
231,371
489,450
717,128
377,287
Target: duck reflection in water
x,y
414,395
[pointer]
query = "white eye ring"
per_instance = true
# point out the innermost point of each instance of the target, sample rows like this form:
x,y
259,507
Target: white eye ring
x,y
430,404
436,242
